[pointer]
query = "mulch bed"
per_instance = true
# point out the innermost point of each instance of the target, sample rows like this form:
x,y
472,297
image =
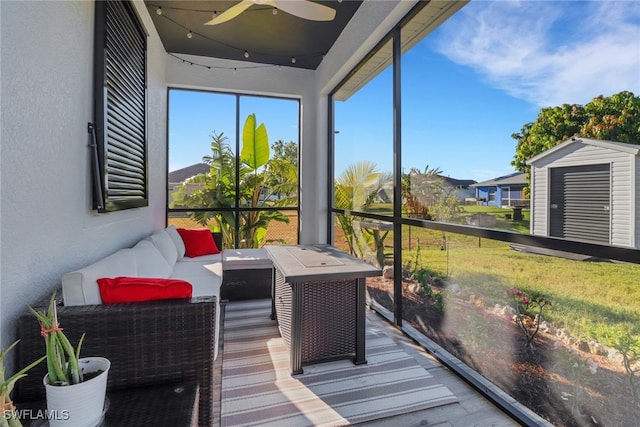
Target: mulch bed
x,y
553,380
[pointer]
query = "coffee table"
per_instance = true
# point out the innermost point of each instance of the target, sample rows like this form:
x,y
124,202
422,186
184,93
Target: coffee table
x,y
246,274
319,297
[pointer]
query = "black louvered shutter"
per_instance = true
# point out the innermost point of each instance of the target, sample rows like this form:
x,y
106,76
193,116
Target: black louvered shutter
x,y
120,122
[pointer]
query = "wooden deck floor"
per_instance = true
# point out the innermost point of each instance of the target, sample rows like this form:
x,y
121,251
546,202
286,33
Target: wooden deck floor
x,y
472,408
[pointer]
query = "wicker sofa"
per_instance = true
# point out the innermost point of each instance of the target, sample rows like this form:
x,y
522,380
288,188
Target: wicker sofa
x,y
148,343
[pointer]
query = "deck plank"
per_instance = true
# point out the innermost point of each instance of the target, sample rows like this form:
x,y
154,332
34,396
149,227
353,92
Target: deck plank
x,y
472,409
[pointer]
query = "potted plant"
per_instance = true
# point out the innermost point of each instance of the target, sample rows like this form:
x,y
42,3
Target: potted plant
x,y
75,387
8,414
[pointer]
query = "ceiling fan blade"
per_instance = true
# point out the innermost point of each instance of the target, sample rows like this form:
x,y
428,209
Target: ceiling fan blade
x,y
306,9
231,13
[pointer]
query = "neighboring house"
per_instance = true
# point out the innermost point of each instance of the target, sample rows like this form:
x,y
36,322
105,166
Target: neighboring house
x,y
385,195
462,187
587,190
179,176
427,188
504,191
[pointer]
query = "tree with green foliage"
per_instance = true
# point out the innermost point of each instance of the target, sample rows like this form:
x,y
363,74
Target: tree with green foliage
x,y
283,177
614,118
216,189
285,151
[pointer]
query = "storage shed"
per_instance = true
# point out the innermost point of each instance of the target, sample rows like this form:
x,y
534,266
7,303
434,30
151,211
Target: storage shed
x,y
587,190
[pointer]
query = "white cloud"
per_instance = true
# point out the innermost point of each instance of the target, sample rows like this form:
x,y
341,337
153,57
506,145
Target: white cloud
x,y
548,52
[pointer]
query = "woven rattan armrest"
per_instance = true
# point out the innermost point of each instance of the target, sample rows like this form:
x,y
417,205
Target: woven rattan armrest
x,y
147,343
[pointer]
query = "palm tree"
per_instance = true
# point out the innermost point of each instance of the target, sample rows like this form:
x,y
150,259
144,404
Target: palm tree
x,y
419,190
214,189
355,190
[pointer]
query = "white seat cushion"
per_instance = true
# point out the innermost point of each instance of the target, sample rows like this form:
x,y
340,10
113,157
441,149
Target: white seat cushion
x,y
245,259
197,269
208,285
211,258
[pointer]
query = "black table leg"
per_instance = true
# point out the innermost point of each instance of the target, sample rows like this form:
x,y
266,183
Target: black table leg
x,y
360,322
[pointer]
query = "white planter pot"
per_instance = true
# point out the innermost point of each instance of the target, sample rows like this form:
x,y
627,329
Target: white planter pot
x,y
79,405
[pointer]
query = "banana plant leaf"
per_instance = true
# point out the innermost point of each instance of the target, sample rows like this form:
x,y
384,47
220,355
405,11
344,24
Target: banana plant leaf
x,y
255,144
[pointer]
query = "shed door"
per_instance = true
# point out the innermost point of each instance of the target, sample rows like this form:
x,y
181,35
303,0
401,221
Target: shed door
x,y
580,202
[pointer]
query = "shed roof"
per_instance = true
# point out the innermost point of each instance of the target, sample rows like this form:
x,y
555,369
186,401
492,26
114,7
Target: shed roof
x,y
612,145
516,178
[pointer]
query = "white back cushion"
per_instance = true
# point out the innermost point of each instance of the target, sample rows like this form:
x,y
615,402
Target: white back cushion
x,y
80,287
172,231
164,243
149,260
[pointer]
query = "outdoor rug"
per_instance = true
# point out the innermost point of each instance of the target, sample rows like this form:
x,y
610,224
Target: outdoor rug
x,y
257,388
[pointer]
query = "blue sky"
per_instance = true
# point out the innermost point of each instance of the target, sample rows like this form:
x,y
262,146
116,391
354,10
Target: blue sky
x,y
468,86
195,116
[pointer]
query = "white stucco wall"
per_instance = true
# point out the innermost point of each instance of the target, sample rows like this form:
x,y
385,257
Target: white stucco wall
x,y
47,226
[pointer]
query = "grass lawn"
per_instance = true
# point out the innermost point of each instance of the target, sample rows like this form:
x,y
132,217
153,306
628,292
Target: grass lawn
x,y
599,300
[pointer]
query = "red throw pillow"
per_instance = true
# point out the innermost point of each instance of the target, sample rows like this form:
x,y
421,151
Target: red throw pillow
x,y
134,289
198,241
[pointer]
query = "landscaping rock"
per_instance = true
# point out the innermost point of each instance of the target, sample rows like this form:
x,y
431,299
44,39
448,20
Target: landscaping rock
x,y
569,340
455,288
583,345
508,311
547,327
615,356
414,287
437,282
597,348
566,337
